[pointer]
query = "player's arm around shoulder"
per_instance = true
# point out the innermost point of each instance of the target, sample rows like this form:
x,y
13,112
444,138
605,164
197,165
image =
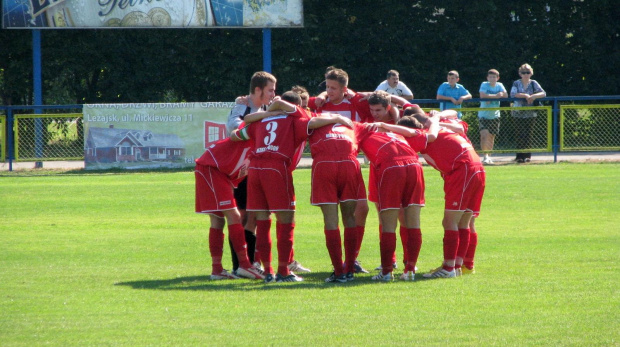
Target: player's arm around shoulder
x,y
256,116
329,118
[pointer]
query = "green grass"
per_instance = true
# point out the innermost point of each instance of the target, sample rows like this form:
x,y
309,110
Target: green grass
x,y
121,259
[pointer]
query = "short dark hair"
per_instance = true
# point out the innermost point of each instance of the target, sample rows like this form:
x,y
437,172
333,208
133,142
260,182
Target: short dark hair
x,y
379,97
291,97
338,75
411,110
392,73
453,73
493,72
260,80
302,91
410,122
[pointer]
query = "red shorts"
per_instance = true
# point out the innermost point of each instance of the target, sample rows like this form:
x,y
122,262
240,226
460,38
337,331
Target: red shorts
x,y
335,181
373,195
270,186
464,188
399,184
214,191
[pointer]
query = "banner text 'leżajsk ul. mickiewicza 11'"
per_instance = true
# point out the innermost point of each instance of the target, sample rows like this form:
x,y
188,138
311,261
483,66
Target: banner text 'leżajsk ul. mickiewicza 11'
x,y
150,136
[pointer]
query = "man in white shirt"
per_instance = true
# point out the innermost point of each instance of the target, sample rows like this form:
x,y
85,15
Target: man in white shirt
x,y
394,86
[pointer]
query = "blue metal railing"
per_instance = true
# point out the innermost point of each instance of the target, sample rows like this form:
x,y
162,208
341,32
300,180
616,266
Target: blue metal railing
x,y
9,110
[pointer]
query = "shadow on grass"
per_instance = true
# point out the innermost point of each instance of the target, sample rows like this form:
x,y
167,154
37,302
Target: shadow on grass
x,y
315,280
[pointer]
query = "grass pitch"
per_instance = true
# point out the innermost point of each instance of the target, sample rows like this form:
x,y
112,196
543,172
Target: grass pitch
x,y
121,259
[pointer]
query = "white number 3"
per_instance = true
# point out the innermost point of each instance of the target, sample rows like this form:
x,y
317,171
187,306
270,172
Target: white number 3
x,y
271,128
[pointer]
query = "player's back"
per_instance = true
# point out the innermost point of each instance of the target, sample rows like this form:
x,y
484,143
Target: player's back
x,y
277,137
449,151
334,141
381,147
227,156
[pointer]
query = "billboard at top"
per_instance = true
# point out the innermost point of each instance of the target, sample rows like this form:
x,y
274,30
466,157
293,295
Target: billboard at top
x,y
97,14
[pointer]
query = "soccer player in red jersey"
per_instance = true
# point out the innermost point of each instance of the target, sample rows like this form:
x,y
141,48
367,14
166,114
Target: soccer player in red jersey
x,y
270,180
218,171
335,99
379,108
337,180
398,184
464,182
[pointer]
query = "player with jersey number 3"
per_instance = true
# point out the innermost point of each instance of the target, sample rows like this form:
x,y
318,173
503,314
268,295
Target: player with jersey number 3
x,y
270,180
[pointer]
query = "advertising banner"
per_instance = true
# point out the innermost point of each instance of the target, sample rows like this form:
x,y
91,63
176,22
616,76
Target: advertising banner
x,y
151,13
145,136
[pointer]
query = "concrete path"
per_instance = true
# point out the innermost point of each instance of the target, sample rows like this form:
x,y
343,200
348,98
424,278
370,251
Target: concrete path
x,y
499,159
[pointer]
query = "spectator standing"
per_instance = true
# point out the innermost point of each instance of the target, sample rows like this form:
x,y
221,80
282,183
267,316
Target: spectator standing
x,y
451,93
488,121
393,85
529,90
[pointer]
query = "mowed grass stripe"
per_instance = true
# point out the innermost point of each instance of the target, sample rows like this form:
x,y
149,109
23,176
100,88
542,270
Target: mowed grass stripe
x,y
121,259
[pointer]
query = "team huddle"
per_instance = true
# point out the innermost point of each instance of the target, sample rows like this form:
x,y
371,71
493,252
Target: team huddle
x,y
241,180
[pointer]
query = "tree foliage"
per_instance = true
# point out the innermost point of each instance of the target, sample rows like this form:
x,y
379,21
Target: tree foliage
x,y
572,45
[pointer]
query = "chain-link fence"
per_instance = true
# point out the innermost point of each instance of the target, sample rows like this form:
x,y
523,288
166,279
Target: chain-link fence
x,y
49,137
589,127
39,137
522,129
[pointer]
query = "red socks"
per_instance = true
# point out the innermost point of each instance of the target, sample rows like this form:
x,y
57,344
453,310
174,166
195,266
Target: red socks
x,y
468,260
450,247
263,244
216,248
413,245
284,233
403,240
388,246
360,236
463,244
236,233
350,248
381,240
334,247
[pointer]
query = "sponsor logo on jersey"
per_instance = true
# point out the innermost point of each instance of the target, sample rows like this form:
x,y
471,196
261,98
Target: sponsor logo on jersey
x,y
268,148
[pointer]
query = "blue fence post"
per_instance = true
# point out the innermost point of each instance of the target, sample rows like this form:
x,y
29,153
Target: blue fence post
x,y
9,136
267,49
38,97
556,130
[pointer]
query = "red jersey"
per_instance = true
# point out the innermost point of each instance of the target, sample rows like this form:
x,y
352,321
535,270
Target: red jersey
x,y
381,147
347,108
230,158
334,141
418,141
278,137
449,151
457,121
